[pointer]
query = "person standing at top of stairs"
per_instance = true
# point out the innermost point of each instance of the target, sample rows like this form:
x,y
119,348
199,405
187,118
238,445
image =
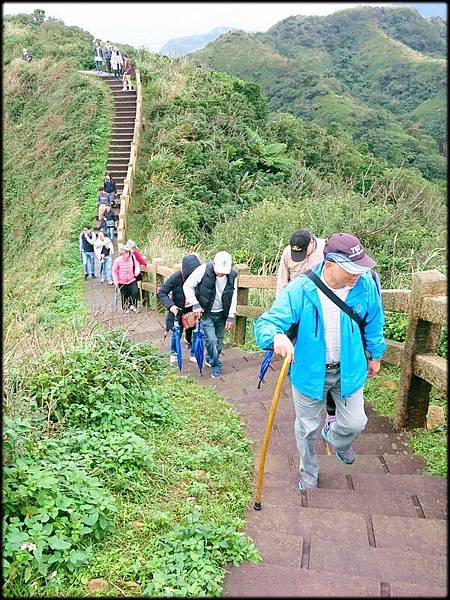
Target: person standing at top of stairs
x,y
98,57
128,71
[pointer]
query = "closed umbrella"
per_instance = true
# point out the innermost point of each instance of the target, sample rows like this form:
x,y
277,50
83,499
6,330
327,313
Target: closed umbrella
x,y
265,365
198,339
176,332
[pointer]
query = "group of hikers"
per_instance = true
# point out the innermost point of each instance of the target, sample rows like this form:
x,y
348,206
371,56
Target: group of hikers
x,y
124,271
327,320
117,63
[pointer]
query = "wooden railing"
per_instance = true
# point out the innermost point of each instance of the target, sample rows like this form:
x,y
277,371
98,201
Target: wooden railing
x,y
425,304
128,183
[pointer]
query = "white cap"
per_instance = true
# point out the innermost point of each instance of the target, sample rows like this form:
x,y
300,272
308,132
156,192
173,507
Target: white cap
x,y
222,262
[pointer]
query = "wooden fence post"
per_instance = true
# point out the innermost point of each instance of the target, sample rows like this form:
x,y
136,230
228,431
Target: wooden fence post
x,y
242,298
145,293
158,280
421,336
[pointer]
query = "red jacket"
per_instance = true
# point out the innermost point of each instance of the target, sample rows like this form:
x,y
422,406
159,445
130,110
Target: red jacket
x,y
138,256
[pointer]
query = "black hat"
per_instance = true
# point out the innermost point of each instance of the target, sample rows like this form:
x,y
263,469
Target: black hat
x,y
299,243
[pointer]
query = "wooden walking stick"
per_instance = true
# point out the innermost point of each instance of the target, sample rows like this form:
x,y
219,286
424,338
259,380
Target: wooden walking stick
x,y
265,444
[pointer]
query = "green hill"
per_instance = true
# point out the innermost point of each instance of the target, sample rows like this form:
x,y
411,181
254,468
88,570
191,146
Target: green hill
x,y
366,69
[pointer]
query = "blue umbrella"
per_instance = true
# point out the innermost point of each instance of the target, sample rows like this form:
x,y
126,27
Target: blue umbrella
x,y
292,335
198,339
176,332
265,364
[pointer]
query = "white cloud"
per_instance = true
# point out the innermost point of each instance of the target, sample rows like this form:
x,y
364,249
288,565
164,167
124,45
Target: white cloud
x,y
152,24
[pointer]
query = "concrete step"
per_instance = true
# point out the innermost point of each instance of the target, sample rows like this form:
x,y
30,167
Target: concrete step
x,y
397,504
384,564
118,154
266,580
129,124
411,483
427,536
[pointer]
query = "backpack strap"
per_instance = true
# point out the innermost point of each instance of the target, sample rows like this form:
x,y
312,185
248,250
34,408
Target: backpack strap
x,y
332,296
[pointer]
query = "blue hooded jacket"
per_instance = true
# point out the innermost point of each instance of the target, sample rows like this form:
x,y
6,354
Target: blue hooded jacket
x,y
300,303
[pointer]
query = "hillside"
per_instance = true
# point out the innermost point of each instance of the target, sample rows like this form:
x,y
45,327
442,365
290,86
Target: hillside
x,y
190,43
216,170
365,69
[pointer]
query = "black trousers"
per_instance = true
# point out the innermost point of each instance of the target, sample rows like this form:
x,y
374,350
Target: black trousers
x,y
129,293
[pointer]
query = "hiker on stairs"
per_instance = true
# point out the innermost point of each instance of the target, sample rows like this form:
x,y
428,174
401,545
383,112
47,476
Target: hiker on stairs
x,y
110,187
108,222
329,352
98,57
87,239
211,290
128,71
172,296
102,201
125,270
115,63
104,250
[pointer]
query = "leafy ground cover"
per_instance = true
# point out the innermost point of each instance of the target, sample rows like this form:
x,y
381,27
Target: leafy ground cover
x,y
131,475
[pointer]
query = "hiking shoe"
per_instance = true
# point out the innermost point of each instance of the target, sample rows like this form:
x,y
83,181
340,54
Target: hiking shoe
x,y
173,359
325,433
207,364
346,457
215,373
93,277
102,281
86,275
192,358
133,308
304,485
330,419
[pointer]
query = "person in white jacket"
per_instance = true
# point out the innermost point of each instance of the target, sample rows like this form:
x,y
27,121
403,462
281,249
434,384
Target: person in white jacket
x,y
104,249
115,63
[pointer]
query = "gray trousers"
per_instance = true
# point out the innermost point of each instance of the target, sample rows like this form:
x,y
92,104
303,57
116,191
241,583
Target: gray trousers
x,y
350,421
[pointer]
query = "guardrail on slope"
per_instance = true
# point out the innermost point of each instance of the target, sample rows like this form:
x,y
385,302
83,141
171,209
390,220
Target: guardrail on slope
x,y
426,307
128,183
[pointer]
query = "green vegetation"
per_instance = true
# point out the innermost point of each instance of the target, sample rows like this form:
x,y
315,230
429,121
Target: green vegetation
x,y
102,451
379,73
215,171
381,392
106,462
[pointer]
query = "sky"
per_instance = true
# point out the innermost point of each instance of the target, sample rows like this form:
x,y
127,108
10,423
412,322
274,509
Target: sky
x,y
152,24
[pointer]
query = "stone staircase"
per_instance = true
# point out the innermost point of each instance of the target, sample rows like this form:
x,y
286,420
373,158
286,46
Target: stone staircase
x,y
374,529
122,135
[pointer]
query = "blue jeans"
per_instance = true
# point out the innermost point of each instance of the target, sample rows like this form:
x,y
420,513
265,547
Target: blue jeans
x,y
106,268
110,232
214,327
89,261
98,66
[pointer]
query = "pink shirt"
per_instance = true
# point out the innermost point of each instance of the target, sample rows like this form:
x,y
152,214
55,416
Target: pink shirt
x,y
122,270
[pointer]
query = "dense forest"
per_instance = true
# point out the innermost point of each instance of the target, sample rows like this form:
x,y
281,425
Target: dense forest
x,y
379,74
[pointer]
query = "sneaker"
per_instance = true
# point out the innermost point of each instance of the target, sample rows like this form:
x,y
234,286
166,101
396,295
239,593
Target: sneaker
x,y
325,433
111,282
346,457
102,281
93,277
304,485
133,308
86,275
215,373
207,364
330,419
173,359
192,358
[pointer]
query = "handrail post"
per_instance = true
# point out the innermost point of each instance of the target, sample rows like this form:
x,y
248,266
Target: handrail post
x,y
421,336
242,298
158,280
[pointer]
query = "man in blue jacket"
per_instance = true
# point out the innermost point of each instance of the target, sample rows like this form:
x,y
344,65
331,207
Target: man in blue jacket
x,y
329,352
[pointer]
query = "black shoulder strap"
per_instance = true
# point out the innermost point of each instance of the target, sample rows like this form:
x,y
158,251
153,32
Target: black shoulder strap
x,y
332,296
